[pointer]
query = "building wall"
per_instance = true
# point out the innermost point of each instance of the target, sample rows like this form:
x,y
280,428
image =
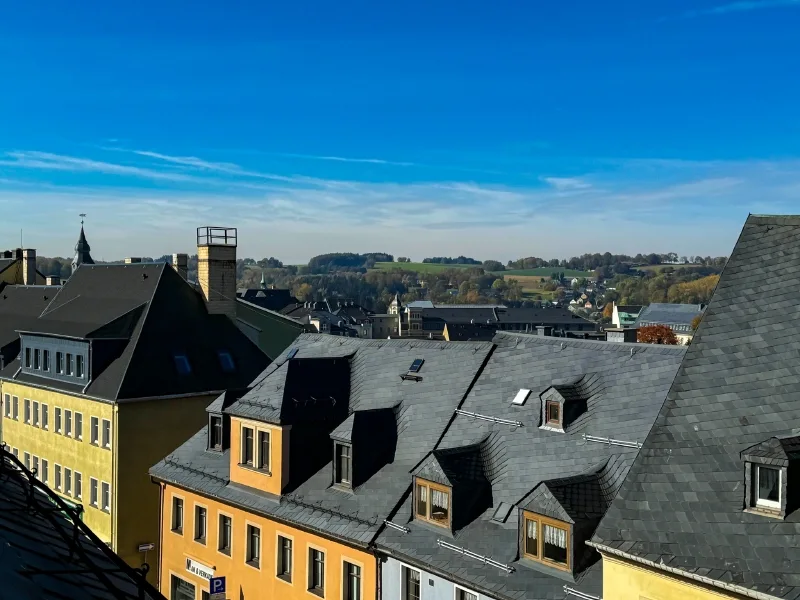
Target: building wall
x,y
243,581
623,580
432,587
269,332
77,455
147,431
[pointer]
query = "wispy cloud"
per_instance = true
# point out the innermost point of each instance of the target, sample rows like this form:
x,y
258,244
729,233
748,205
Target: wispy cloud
x,y
372,161
738,7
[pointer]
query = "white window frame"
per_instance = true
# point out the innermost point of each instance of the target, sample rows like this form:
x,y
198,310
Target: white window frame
x,y
763,503
457,588
403,590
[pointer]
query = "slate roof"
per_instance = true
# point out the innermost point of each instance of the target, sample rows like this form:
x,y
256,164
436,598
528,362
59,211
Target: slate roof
x,y
157,315
20,305
422,411
677,316
36,540
629,384
681,505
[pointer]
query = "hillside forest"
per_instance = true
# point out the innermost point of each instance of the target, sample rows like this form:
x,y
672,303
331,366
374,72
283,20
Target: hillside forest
x,y
373,279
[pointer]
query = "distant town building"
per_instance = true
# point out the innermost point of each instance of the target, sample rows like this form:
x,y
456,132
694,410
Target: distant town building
x,y
677,317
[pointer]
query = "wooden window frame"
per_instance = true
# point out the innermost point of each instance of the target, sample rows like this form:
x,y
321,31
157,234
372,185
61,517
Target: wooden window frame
x,y
541,521
550,421
431,487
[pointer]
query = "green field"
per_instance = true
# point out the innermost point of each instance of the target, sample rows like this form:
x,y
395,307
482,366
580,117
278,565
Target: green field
x,y
544,272
438,268
419,267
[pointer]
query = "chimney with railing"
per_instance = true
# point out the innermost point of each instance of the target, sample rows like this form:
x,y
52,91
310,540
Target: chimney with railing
x,y
216,268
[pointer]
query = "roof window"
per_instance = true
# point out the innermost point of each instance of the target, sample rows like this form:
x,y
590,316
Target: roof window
x,y
521,397
182,364
768,488
226,361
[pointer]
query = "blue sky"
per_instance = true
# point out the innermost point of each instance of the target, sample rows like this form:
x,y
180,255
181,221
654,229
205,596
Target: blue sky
x,y
493,129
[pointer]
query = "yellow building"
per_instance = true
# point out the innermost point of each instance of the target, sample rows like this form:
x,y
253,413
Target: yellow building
x,y
19,267
114,371
709,509
287,487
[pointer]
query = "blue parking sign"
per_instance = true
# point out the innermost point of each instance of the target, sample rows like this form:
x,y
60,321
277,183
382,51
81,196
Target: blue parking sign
x,y
217,587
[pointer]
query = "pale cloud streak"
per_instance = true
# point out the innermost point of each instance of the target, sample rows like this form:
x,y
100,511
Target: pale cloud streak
x,y
295,217
739,7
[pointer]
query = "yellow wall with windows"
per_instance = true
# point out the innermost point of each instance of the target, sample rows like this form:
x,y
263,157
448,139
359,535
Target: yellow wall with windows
x,y
57,448
142,433
243,581
624,580
278,476
147,431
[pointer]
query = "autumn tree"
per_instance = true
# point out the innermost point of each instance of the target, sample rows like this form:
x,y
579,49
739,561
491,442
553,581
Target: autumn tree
x,y
657,334
608,310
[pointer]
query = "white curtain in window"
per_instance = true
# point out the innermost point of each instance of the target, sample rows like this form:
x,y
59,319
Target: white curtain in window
x,y
532,529
555,537
439,499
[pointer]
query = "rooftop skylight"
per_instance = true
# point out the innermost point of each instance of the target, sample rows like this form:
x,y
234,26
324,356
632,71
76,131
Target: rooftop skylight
x,y
521,397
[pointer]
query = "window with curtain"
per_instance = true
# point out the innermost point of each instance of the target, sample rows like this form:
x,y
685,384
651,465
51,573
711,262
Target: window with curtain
x,y
546,540
433,502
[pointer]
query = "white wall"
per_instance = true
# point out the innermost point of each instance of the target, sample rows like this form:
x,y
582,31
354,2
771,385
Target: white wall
x,y
431,586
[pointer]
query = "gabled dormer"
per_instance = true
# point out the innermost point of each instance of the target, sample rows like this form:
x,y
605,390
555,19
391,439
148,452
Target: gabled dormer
x,y
450,487
565,401
559,516
772,476
363,444
280,429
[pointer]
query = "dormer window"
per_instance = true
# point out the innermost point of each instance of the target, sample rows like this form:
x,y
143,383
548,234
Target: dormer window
x,y
767,466
343,464
215,433
767,487
432,503
546,540
553,413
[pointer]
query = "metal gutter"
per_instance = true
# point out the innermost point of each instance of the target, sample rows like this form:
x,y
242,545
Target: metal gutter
x,y
685,574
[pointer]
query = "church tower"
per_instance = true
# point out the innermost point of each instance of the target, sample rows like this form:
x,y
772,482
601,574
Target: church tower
x,y
82,256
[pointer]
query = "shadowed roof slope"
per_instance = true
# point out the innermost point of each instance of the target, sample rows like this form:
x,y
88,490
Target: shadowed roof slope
x,y
628,385
681,507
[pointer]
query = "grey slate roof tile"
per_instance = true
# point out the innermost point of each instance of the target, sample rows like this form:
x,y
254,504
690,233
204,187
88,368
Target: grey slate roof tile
x,y
736,390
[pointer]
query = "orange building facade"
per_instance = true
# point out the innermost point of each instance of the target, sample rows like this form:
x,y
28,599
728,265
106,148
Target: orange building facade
x,y
187,563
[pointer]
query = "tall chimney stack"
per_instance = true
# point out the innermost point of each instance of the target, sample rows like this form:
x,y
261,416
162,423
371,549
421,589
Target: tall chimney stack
x,y
216,268
29,267
180,262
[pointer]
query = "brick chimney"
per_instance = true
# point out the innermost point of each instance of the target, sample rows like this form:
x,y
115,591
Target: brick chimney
x,y
180,262
29,267
216,268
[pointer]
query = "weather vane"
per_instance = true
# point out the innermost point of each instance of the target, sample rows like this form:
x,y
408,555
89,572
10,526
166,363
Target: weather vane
x,y
82,216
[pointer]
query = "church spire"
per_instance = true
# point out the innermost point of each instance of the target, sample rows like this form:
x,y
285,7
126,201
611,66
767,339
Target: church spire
x,y
82,248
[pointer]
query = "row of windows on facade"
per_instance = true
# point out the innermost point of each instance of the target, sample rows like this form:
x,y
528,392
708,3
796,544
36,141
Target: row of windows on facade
x,y
66,363
411,588
67,422
284,550
68,482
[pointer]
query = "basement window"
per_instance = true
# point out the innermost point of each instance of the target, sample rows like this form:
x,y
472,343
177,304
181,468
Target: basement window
x,y
182,364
